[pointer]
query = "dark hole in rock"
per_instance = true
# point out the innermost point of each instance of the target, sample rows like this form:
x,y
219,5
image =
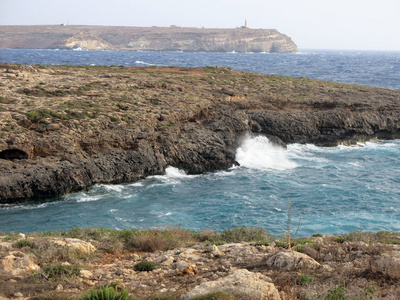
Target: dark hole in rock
x,y
13,154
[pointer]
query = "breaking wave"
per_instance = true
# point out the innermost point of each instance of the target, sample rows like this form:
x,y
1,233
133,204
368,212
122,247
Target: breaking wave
x,y
258,152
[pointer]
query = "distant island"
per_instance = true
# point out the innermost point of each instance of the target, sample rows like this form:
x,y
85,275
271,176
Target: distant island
x,y
173,38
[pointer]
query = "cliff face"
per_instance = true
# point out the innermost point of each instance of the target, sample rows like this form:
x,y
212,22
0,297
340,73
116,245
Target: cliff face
x,y
154,38
65,128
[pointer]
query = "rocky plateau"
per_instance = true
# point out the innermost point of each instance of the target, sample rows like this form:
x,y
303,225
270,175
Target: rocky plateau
x,y
146,38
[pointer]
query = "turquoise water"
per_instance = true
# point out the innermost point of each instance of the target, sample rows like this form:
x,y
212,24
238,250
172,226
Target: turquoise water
x,y
335,190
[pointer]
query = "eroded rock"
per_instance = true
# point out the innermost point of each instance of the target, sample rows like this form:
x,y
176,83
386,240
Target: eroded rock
x,y
239,283
291,260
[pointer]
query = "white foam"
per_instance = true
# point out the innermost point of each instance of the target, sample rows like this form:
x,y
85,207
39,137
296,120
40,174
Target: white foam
x,y
258,152
143,63
173,172
86,198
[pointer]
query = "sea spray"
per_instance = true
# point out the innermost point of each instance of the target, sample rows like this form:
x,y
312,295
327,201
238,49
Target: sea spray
x,y
258,152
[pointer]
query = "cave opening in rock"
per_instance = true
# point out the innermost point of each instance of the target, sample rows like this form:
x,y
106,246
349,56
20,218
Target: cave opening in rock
x,y
13,154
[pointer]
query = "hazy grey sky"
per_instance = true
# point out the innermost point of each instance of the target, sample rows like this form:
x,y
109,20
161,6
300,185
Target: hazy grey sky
x,y
319,24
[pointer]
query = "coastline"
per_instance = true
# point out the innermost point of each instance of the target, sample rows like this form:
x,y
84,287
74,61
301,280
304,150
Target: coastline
x,y
69,127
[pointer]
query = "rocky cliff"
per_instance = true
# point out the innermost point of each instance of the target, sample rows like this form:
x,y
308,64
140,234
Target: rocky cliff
x,y
141,38
64,128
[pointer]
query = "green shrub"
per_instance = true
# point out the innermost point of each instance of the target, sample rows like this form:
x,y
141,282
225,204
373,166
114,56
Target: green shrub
x,y
261,243
218,243
245,234
35,115
114,119
106,293
304,278
337,293
145,266
24,243
340,240
56,271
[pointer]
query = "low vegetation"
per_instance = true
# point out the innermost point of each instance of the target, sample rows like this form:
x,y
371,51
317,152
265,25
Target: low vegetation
x,y
341,283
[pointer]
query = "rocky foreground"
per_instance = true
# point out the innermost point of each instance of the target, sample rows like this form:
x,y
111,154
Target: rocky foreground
x,y
64,128
60,266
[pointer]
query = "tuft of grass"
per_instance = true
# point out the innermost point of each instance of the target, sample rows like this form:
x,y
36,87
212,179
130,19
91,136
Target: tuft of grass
x,y
106,293
145,265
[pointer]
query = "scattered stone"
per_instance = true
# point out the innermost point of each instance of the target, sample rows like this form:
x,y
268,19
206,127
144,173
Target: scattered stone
x,y
18,295
86,274
190,270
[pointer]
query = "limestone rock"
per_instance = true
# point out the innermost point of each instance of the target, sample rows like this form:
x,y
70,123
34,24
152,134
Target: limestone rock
x,y
5,246
291,260
387,264
190,270
17,262
86,274
216,252
240,282
75,244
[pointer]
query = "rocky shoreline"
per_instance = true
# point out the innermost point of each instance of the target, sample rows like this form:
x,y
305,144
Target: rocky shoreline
x,y
64,128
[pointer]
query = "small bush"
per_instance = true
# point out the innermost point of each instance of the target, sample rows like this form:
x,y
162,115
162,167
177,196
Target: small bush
x,y
337,293
35,115
261,243
114,119
145,266
246,234
340,240
106,293
24,243
56,271
218,243
304,278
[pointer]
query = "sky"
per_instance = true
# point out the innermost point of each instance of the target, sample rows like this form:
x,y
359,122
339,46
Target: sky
x,y
312,24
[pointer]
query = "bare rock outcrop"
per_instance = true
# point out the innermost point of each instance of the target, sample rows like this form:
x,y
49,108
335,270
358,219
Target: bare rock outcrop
x,y
387,264
239,282
291,260
17,262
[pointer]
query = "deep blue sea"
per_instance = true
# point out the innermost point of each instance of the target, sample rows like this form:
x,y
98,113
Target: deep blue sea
x,y
333,190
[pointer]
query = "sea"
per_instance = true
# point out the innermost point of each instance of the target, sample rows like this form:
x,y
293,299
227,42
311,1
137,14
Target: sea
x,y
328,190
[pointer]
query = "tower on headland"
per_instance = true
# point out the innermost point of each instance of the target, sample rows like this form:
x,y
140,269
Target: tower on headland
x,y
245,24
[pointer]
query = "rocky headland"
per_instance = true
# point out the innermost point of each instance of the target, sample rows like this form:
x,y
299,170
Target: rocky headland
x,y
146,38
65,128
